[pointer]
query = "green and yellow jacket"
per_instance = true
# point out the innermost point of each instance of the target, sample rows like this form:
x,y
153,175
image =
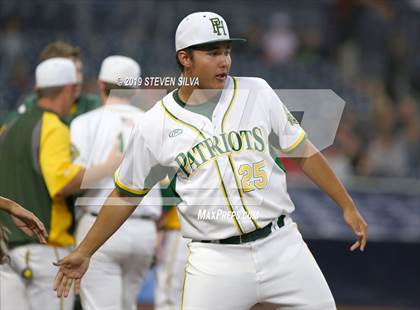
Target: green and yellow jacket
x,y
35,164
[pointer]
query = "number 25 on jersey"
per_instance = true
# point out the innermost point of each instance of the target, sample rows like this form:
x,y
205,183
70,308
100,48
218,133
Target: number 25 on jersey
x,y
253,176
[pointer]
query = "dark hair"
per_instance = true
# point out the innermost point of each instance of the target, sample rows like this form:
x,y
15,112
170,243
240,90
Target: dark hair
x,y
189,51
126,94
49,92
59,49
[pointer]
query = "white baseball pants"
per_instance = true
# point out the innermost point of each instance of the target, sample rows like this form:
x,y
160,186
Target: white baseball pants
x,y
170,271
116,271
278,271
17,293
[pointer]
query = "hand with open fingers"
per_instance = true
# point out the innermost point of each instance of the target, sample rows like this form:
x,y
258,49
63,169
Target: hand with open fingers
x,y
27,222
355,220
72,269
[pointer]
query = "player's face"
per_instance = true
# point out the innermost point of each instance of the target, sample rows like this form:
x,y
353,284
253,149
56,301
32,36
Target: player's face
x,y
211,64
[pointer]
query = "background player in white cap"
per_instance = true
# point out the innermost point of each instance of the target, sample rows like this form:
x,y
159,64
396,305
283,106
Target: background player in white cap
x,y
253,254
83,102
117,269
37,172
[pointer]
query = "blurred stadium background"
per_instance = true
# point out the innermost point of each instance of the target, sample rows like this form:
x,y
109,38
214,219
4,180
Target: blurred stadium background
x,y
366,51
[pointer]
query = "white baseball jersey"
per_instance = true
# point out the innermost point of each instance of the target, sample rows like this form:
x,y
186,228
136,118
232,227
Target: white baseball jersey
x,y
227,175
93,135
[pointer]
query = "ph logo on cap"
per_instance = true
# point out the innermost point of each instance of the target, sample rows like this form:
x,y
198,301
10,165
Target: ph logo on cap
x,y
202,28
218,26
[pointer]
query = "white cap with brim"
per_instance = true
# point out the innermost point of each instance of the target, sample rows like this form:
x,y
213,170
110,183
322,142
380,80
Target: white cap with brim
x,y
117,69
55,72
202,28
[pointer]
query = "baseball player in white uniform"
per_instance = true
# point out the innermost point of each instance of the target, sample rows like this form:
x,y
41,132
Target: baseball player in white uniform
x,y
245,247
118,268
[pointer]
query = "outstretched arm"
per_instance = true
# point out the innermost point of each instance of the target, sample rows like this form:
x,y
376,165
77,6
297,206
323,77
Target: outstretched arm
x,y
112,215
316,167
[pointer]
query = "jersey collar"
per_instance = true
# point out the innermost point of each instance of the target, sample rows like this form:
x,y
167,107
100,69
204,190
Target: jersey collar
x,y
200,121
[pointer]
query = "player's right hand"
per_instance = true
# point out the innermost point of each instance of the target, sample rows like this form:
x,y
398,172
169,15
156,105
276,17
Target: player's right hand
x,y
72,269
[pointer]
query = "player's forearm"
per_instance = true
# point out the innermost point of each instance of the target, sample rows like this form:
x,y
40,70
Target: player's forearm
x,y
5,204
105,169
8,205
319,171
88,176
96,173
112,215
73,186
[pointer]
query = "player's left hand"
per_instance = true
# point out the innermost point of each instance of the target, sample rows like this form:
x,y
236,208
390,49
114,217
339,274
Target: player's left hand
x,y
28,222
355,220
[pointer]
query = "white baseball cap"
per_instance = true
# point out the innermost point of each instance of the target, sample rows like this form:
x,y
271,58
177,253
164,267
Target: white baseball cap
x,y
54,72
116,69
202,28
